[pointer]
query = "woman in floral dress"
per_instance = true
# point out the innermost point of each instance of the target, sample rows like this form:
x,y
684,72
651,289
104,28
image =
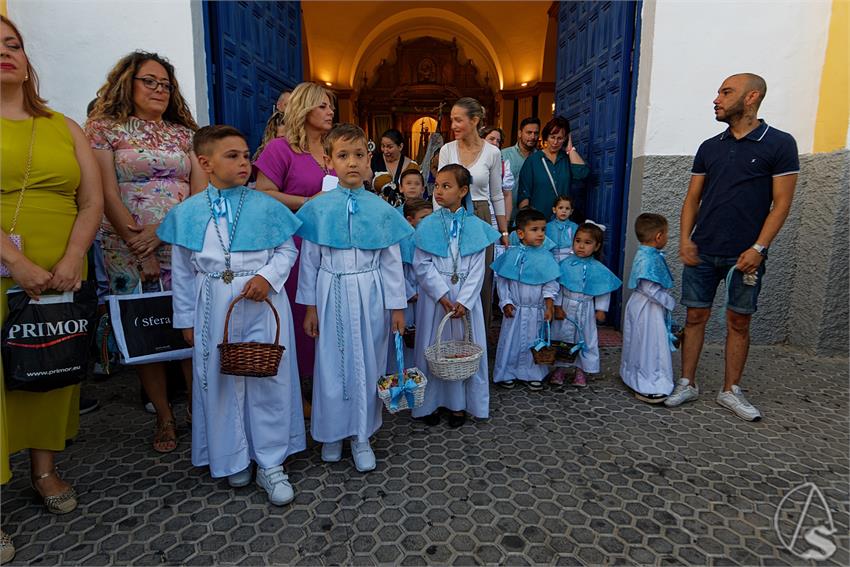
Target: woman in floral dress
x,y
141,131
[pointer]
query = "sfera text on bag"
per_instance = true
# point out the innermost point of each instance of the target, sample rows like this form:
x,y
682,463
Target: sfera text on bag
x,y
48,329
152,321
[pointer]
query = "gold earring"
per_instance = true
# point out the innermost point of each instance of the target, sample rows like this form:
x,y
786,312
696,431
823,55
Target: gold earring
x,y
26,77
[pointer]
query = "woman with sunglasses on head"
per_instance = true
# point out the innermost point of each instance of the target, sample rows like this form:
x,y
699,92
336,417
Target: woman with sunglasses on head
x,y
50,207
141,130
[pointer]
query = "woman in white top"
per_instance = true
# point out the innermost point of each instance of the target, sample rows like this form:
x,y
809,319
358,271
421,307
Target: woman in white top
x,y
484,162
495,136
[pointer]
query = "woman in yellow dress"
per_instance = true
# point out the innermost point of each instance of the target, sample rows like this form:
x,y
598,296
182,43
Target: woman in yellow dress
x,y
47,155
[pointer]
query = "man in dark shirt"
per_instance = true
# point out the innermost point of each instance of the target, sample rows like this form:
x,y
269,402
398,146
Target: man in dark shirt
x,y
741,188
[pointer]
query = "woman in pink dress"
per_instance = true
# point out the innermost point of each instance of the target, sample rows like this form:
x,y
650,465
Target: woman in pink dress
x,y
291,169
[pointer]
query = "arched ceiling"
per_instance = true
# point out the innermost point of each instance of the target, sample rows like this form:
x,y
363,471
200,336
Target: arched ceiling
x,y
504,39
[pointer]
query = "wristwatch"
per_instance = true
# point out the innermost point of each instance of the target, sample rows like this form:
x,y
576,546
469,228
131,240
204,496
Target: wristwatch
x,y
760,249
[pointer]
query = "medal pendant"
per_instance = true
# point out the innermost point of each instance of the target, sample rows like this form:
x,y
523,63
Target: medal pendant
x,y
455,279
227,276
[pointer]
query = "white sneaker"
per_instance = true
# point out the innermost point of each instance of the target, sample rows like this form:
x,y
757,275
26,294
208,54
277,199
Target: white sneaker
x,y
738,404
332,452
275,482
240,479
364,457
683,392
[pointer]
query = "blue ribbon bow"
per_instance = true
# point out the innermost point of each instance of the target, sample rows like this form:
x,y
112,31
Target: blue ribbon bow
x,y
353,207
221,208
543,337
405,387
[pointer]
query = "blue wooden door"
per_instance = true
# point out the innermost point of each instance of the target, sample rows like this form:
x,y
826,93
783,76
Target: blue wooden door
x,y
593,91
253,53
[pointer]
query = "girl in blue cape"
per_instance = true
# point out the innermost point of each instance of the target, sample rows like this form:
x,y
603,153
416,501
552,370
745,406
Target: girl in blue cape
x,y
587,285
231,241
527,281
352,281
449,266
561,229
646,365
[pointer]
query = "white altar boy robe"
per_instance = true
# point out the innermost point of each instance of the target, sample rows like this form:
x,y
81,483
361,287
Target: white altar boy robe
x,y
646,366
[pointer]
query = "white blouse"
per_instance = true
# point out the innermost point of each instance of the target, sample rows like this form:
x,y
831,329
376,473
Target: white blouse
x,y
486,174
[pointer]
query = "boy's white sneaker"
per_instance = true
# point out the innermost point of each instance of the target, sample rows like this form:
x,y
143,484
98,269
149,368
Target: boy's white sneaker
x,y
332,452
240,479
275,482
683,392
735,401
364,457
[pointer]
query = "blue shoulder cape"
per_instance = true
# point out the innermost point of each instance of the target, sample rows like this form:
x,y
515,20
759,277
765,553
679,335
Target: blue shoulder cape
x,y
532,265
476,235
407,246
649,264
561,232
264,223
351,218
513,240
588,276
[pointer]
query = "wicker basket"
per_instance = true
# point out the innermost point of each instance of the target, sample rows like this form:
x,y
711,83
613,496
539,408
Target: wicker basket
x,y
388,381
454,360
250,359
409,336
546,354
564,350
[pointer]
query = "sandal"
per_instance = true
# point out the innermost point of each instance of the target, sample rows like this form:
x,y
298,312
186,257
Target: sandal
x,y
165,434
57,503
7,548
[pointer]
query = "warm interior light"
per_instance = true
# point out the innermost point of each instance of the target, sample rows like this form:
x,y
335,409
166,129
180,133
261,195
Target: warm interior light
x,y
553,107
523,84
328,83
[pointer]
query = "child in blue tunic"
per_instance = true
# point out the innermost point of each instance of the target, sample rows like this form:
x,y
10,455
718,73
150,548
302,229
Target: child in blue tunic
x,y
527,282
449,266
414,211
231,241
587,286
561,229
646,365
352,281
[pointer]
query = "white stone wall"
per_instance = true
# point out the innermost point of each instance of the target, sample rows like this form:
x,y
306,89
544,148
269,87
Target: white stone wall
x,y
688,48
74,44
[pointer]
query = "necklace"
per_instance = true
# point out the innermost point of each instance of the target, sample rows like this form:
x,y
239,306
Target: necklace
x,y
227,275
455,257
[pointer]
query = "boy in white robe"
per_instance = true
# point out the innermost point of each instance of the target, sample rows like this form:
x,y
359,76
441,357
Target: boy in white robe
x,y
352,281
231,241
646,365
449,265
527,281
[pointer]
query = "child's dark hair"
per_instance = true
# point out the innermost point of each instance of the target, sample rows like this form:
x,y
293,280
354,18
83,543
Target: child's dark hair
x,y
595,233
413,206
461,174
566,198
345,132
528,215
647,225
411,171
206,137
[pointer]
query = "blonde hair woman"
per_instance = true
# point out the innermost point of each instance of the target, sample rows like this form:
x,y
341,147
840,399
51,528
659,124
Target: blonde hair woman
x,y
47,174
291,169
141,130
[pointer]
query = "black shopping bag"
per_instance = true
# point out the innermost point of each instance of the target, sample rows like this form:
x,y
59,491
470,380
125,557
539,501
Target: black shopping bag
x,y
45,343
143,328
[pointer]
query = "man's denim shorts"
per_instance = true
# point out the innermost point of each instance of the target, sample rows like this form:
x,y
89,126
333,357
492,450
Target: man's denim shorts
x,y
699,284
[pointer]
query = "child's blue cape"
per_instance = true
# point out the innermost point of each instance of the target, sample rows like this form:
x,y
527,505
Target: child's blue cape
x,y
561,232
513,240
649,264
264,222
532,265
588,276
407,246
351,218
431,233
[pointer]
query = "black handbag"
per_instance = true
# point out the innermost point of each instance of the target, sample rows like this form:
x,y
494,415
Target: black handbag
x,y
46,343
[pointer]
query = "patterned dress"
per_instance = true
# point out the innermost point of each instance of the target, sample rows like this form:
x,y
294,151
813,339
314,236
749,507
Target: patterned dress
x,y
153,167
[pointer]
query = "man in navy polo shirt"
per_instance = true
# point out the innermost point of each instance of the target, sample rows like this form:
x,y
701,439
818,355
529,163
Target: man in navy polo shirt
x,y
741,188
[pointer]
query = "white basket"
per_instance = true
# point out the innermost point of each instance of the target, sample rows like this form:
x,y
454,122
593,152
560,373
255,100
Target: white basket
x,y
418,393
454,360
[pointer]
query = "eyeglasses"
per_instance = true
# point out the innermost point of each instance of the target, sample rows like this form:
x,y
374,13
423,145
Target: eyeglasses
x,y
153,84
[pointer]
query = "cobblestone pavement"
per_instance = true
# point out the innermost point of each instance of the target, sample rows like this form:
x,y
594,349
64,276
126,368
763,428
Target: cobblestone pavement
x,y
562,476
